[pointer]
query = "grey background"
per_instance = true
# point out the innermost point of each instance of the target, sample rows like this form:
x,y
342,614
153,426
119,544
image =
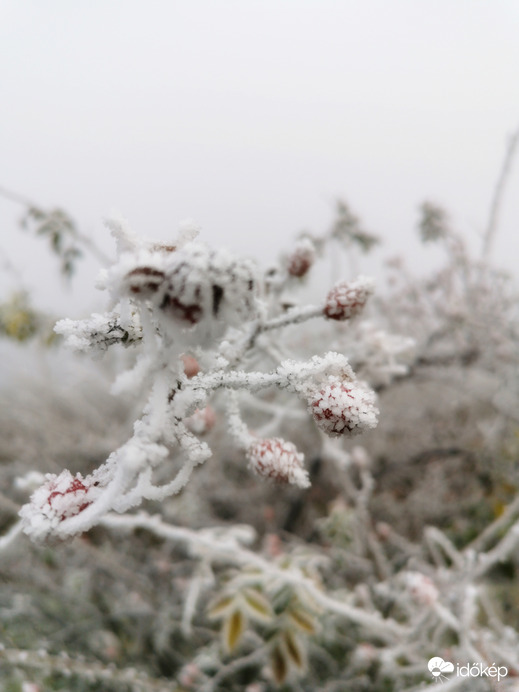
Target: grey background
x,y
252,117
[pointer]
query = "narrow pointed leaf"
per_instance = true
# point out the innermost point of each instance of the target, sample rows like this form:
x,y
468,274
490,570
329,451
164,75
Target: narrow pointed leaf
x,y
233,629
294,649
217,608
257,606
303,620
279,664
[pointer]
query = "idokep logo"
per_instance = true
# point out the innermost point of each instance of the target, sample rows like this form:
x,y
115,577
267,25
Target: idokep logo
x,y
440,668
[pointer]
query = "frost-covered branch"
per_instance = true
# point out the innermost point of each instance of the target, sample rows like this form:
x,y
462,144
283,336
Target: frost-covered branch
x,y
171,300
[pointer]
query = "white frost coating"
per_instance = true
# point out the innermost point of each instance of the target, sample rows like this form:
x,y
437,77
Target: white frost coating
x,y
381,356
98,332
301,376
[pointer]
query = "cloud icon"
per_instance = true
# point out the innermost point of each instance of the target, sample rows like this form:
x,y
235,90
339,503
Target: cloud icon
x,y
438,666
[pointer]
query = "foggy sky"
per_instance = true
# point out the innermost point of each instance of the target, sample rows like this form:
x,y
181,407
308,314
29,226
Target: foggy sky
x,y
251,117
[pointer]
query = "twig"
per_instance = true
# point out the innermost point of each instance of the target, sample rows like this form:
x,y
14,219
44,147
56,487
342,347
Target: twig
x,y
229,550
256,656
81,237
11,535
497,200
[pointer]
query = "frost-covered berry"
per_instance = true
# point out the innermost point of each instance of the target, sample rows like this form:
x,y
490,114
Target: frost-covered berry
x,y
422,588
302,258
191,366
189,285
201,421
348,298
145,281
59,498
279,460
203,283
343,408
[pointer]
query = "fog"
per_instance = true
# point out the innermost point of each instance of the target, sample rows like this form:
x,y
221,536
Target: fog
x,y
252,118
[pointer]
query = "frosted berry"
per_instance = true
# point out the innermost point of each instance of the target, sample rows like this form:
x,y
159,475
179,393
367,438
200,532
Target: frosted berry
x,y
301,259
145,281
191,366
59,498
278,460
343,408
348,298
202,420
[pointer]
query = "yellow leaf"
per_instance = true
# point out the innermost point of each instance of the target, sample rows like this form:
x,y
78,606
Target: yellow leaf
x,y
233,628
294,649
217,608
257,606
303,620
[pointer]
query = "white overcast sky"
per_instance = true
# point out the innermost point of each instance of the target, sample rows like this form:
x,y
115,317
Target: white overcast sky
x,y
252,116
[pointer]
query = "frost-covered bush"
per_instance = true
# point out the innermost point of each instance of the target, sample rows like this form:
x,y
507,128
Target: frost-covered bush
x,y
313,496
184,300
